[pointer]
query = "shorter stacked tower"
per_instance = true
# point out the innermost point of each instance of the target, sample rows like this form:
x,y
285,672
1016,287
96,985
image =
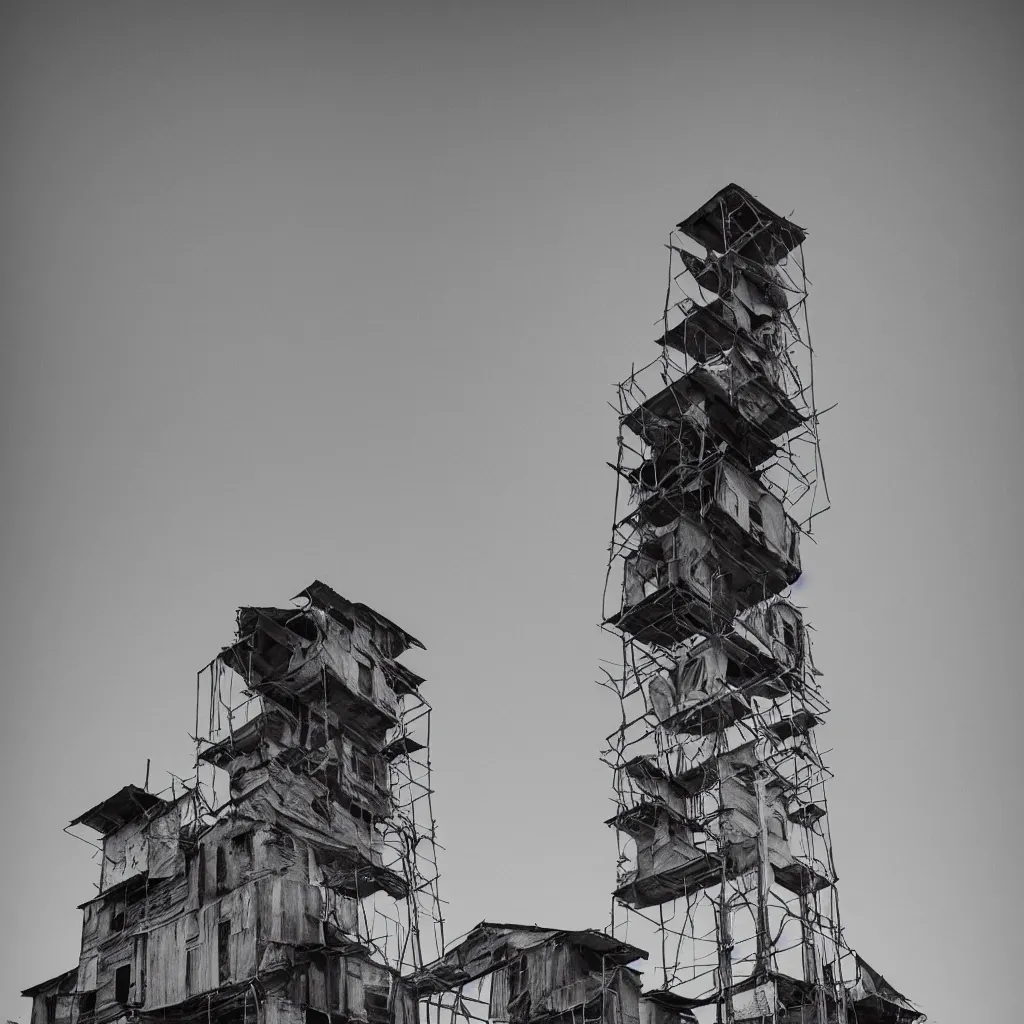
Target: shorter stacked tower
x,y
302,894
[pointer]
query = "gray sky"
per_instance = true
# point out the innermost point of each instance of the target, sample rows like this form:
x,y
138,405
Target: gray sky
x,y
339,291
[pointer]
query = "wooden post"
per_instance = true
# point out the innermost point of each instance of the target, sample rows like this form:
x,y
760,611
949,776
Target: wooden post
x,y
765,876
723,921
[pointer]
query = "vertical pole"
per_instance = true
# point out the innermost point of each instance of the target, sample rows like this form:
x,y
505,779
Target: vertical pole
x,y
809,954
725,1012
764,875
813,973
723,922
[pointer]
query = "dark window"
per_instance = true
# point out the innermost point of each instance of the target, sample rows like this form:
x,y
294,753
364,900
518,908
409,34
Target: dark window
x,y
87,1006
360,813
343,620
361,767
117,919
789,634
365,680
242,843
241,850
518,981
192,954
376,1006
333,968
51,1009
200,870
382,638
316,1017
136,893
122,983
222,871
224,951
305,627
756,522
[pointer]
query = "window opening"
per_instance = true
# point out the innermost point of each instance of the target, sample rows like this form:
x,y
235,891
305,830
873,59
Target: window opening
x,y
789,634
224,951
365,680
122,984
756,521
87,1007
222,871
376,1006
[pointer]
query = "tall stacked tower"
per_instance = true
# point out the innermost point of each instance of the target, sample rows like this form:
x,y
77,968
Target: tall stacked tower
x,y
725,859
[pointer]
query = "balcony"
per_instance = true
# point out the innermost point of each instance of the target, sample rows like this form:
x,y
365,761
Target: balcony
x,y
730,399
803,877
669,864
665,602
705,333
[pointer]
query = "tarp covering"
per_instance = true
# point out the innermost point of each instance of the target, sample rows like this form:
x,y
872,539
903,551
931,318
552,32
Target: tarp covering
x,y
877,1001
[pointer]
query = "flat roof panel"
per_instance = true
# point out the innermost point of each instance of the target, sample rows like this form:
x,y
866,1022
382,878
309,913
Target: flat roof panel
x,y
735,219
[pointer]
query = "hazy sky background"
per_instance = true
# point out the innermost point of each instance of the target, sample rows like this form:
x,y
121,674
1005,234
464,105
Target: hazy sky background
x,y
335,290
